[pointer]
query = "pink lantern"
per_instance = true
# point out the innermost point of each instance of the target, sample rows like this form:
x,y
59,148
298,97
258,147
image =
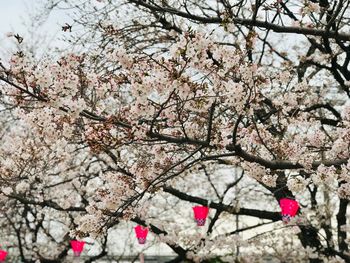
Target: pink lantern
x,y
3,255
289,208
141,234
200,214
77,247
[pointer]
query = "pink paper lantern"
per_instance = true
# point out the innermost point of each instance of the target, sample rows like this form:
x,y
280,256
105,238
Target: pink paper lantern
x,y
289,209
77,247
3,255
200,214
141,234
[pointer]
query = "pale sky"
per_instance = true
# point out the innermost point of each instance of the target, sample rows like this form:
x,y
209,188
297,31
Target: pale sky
x,y
17,15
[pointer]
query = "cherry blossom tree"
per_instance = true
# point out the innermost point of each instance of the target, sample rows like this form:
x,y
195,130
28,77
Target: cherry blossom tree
x,y
227,104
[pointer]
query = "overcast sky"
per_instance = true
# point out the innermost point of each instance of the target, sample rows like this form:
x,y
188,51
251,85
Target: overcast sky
x,y
10,13
17,15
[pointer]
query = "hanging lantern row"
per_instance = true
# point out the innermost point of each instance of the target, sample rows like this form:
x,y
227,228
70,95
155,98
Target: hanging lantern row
x,y
288,206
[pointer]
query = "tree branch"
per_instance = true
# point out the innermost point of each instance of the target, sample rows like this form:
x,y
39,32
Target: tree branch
x,y
274,216
279,164
246,22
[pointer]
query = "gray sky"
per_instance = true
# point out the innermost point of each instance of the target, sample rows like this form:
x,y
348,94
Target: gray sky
x,y
17,16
